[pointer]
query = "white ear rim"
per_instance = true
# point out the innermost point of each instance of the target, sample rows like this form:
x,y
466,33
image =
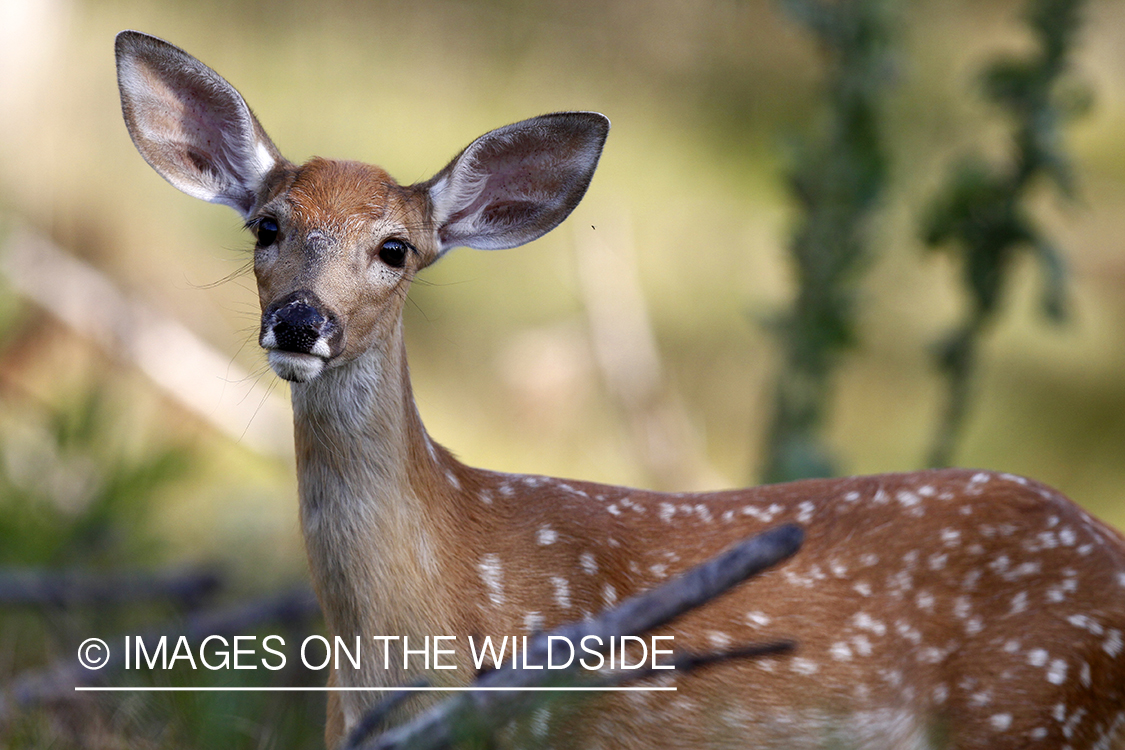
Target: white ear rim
x,y
459,184
246,154
445,194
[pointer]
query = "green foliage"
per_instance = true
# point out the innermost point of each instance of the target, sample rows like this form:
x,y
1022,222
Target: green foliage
x,y
837,179
69,497
982,216
72,497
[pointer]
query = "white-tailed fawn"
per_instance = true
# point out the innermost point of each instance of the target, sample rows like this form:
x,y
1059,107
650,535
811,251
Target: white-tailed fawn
x,y
959,609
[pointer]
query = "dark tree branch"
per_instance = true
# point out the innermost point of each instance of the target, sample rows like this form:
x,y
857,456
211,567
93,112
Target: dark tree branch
x,y
439,726
39,588
57,682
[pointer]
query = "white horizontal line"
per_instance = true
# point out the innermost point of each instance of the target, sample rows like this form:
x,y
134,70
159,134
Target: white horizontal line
x,y
360,689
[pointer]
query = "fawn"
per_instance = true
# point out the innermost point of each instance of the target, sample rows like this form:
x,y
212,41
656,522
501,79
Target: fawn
x,y
933,609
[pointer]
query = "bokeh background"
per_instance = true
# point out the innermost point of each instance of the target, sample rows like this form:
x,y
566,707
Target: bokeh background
x,y
674,262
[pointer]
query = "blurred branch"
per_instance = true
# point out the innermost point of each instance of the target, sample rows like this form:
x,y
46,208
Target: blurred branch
x,y
982,216
837,180
57,682
175,359
70,589
629,361
488,712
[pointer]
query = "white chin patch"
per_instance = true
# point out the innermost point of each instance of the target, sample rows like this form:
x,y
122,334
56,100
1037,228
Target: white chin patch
x,y
300,368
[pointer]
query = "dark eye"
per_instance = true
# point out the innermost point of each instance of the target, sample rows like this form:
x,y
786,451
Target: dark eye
x,y
267,230
393,253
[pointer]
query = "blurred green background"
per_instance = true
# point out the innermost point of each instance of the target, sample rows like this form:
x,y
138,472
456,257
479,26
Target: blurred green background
x,y
679,248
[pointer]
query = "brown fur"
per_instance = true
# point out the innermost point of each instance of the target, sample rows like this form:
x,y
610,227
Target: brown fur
x,y
934,609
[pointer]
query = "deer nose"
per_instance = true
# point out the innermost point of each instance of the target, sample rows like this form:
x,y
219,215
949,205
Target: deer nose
x,y
297,327
295,324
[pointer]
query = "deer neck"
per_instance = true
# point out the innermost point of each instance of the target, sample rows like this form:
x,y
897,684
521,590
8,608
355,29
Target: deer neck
x,y
372,520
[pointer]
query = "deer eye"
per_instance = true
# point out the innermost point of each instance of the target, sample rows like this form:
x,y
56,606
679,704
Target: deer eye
x,y
393,253
267,231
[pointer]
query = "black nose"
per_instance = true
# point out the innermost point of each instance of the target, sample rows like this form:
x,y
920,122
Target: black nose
x,y
297,323
297,327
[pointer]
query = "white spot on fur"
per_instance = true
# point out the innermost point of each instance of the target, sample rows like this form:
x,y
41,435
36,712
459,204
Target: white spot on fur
x,y
588,563
1019,603
562,591
840,651
452,479
969,582
925,600
863,588
803,666
907,499
1037,657
485,497
572,490
1024,570
1086,623
962,607
546,535
758,619
614,509
533,622
492,575
609,595
1112,643
719,639
1056,673
1000,722
907,631
806,509
999,564
950,537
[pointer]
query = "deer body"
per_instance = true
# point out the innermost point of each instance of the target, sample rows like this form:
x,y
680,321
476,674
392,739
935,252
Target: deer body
x,y
935,609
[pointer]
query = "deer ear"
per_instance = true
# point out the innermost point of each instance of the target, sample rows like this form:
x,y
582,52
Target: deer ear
x,y
517,183
190,125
